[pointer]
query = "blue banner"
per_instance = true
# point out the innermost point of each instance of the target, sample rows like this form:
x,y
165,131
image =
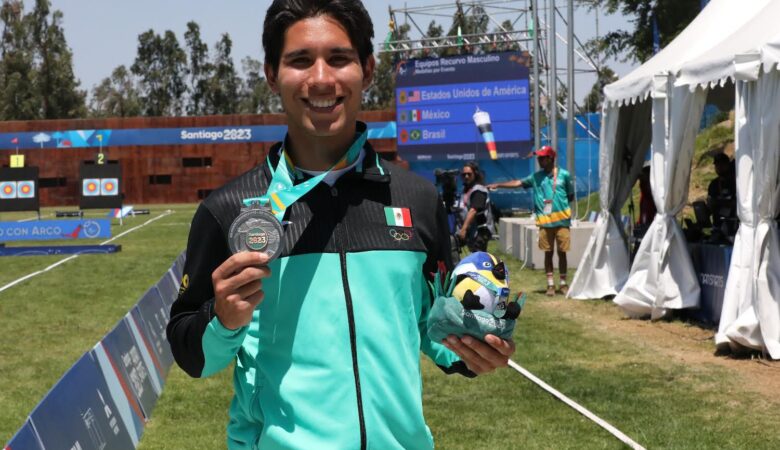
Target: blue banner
x,y
46,230
506,111
461,134
168,289
80,412
128,361
711,263
25,439
151,313
48,250
161,136
436,100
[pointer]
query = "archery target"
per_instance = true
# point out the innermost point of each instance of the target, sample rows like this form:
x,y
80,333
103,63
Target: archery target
x,y
109,186
90,187
25,189
7,190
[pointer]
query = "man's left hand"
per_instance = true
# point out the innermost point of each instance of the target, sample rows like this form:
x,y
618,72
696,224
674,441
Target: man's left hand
x,y
481,357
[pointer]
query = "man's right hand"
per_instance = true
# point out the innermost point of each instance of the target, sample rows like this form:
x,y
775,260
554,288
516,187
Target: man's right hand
x,y
238,287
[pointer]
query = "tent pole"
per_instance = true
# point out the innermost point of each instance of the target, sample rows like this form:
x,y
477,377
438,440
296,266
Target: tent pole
x,y
536,60
552,43
570,96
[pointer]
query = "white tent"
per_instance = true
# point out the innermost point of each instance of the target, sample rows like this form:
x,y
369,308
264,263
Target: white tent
x,y
707,53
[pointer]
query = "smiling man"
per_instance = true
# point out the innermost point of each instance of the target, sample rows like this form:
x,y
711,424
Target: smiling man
x,y
326,319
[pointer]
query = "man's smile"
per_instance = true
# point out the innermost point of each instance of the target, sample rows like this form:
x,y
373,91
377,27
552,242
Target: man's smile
x,y
323,105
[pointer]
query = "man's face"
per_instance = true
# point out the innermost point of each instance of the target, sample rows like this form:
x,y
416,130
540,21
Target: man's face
x,y
320,79
545,162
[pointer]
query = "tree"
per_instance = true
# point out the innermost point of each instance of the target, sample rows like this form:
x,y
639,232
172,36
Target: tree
x,y
161,66
18,99
36,68
476,21
381,93
434,31
671,17
57,87
116,96
499,45
595,98
222,97
200,70
256,96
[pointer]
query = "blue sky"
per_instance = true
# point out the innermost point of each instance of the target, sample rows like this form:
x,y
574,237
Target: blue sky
x,y
104,33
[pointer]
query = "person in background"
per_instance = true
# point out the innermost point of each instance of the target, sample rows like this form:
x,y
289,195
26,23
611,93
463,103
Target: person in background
x,y
476,212
553,191
722,191
647,209
325,339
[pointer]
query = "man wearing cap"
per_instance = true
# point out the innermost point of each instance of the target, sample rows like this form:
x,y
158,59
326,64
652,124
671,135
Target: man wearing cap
x,y
553,190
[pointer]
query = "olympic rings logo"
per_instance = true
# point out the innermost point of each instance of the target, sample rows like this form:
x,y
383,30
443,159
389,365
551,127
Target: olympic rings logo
x,y
400,235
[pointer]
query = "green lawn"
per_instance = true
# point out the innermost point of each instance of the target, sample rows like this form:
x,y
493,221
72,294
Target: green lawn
x,y
622,373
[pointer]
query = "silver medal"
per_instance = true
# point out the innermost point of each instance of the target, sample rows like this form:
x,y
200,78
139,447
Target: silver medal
x,y
256,229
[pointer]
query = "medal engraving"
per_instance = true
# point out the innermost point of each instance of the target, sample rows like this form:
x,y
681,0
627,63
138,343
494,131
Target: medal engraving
x,y
256,229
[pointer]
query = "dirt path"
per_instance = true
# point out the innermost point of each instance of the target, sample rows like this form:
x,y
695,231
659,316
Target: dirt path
x,y
676,341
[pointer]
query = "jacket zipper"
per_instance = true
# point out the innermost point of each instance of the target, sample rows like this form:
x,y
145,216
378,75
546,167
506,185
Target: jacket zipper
x,y
351,321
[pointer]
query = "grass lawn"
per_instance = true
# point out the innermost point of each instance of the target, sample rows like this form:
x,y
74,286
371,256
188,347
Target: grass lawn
x,y
657,382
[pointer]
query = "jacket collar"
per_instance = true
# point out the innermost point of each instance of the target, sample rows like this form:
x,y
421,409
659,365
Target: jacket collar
x,y
373,168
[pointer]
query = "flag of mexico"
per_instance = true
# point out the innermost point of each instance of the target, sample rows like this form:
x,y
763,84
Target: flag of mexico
x,y
398,217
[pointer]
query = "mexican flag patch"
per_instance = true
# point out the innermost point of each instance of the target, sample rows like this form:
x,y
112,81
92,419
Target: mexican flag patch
x,y
398,217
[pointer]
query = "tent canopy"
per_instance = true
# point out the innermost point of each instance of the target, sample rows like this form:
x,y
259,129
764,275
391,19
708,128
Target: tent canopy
x,y
716,65
710,30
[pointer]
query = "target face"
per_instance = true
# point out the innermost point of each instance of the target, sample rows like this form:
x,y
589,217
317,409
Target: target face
x,y
7,190
90,187
25,189
109,186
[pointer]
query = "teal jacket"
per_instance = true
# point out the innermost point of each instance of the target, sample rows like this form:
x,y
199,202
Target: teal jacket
x,y
331,358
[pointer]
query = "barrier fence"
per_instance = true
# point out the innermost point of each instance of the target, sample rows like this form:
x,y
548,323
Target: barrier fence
x,y
105,399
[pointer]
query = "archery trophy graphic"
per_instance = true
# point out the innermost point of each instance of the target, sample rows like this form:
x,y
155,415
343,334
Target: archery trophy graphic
x,y
482,120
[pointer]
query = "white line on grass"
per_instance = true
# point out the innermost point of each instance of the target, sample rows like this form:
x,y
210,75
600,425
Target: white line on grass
x,y
580,409
62,261
30,219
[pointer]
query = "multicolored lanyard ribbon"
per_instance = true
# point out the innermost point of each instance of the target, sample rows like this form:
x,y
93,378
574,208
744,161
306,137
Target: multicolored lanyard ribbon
x,y
283,192
484,281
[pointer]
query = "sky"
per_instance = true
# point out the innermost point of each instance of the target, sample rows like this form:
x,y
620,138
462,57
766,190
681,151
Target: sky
x,y
103,34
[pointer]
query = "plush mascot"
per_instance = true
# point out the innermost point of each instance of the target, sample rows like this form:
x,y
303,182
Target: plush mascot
x,y
474,300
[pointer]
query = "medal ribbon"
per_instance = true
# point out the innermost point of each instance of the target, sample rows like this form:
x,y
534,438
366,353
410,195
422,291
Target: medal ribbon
x,y
283,192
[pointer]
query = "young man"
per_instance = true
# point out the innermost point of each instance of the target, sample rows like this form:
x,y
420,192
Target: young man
x,y
553,191
325,337
477,217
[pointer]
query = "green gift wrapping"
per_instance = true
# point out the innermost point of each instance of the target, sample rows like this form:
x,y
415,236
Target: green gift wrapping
x,y
448,317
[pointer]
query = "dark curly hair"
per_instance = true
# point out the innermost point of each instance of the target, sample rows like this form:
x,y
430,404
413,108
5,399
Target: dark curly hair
x,y
479,177
282,14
